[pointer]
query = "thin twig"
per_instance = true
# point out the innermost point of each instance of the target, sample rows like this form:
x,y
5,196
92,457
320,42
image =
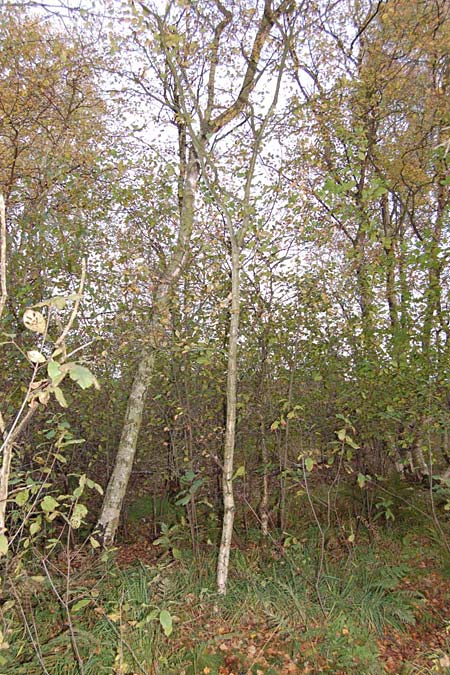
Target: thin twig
x,y
3,289
35,643
68,326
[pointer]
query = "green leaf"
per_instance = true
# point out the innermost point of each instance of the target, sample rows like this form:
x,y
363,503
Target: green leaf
x,y
341,434
80,604
77,516
72,441
274,426
60,397
94,486
82,376
58,301
177,553
349,440
3,544
152,616
94,543
22,497
309,463
54,370
165,619
361,480
240,471
35,527
183,500
49,504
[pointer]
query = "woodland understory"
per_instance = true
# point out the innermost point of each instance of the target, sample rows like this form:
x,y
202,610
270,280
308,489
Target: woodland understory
x,y
224,337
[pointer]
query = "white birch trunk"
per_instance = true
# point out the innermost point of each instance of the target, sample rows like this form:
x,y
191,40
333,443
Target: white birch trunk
x,y
264,505
117,486
230,430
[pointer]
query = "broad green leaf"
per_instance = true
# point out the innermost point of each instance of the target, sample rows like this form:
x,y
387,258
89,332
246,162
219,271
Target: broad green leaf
x,y
94,543
82,376
54,370
274,426
341,434
165,619
309,463
49,504
35,527
78,492
22,497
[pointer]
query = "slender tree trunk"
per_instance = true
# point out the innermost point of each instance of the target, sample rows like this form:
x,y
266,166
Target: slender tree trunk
x,y
228,458
262,410
118,482
284,446
264,504
117,486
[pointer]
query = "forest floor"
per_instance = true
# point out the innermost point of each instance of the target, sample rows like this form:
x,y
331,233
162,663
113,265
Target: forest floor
x,y
248,642
372,604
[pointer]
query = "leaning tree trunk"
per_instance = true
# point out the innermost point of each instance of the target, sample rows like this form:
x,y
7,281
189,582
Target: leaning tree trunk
x,y
117,486
118,482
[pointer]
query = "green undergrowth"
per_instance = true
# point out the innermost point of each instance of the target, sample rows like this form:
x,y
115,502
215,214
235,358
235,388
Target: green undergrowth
x,y
323,610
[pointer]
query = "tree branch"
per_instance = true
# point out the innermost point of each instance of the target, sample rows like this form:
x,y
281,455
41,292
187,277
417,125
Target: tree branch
x,y
4,293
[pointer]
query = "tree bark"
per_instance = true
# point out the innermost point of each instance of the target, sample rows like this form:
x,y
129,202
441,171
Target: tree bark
x,y
228,458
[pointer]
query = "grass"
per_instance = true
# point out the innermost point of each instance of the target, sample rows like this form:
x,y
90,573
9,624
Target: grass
x,y
276,615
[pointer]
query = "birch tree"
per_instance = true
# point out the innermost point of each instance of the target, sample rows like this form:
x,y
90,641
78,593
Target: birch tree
x,y
188,57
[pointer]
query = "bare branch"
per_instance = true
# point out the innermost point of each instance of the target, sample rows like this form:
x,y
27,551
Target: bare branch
x,y
69,324
3,289
268,20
